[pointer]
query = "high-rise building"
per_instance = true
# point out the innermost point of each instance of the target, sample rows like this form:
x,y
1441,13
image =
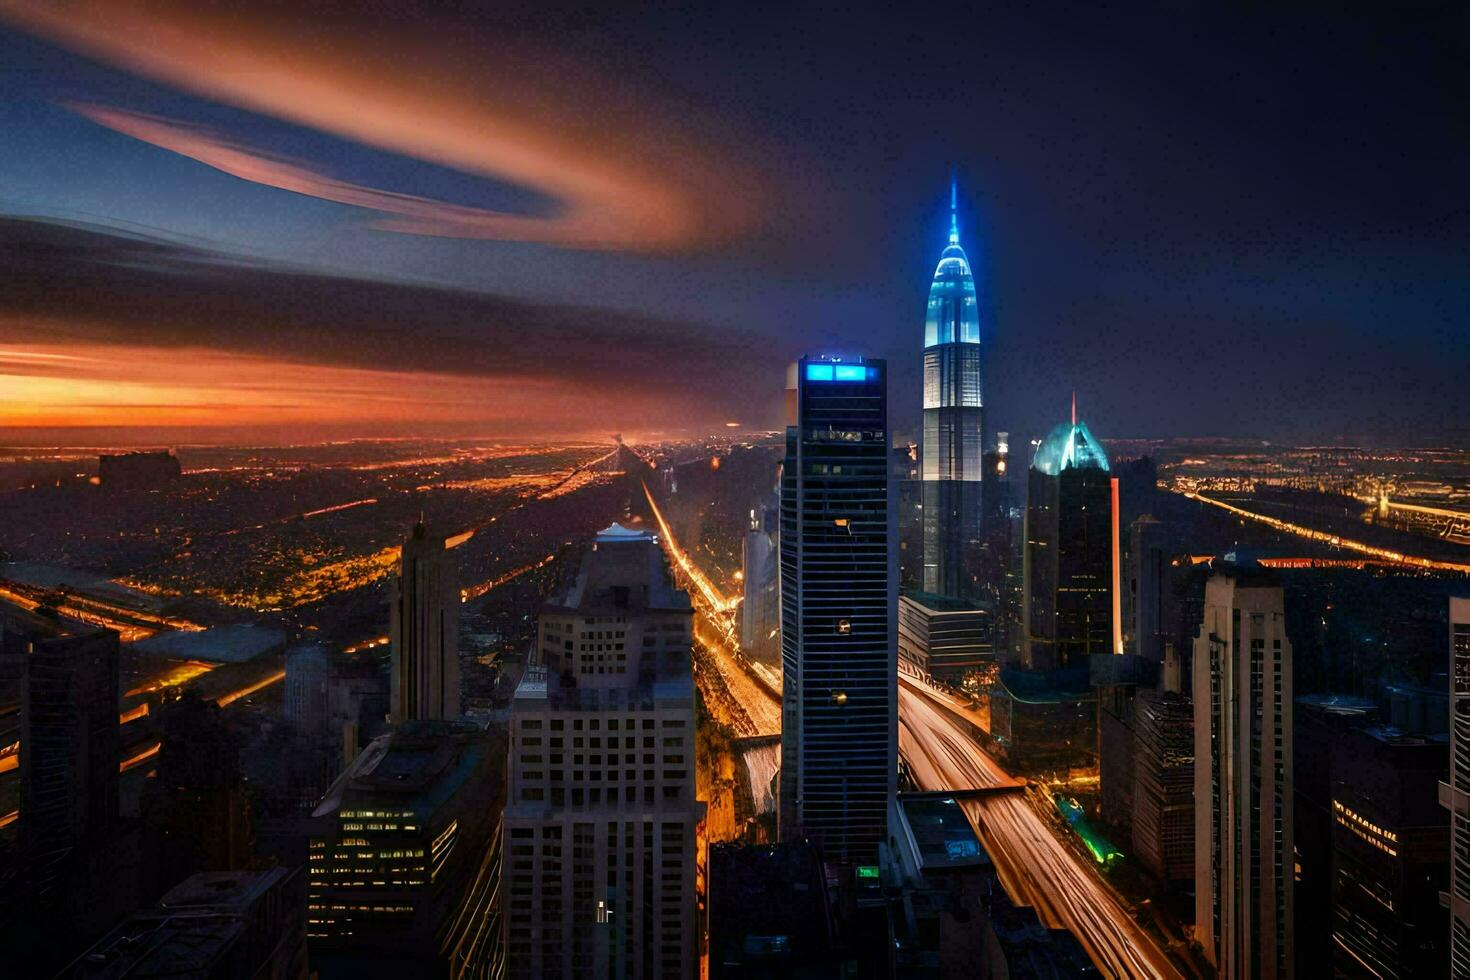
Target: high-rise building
x,y
760,609
70,748
1148,565
954,424
1163,785
196,814
308,684
406,871
1456,793
424,627
1243,776
1390,855
601,816
1071,546
839,731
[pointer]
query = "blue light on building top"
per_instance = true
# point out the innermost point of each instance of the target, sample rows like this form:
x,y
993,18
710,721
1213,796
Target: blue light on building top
x,y
1070,444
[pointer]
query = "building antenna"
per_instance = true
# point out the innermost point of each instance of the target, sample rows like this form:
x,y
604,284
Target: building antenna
x,y
954,208
1074,407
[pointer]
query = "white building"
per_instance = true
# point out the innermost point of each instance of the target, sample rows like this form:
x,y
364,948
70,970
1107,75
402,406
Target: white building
x,y
1243,777
601,812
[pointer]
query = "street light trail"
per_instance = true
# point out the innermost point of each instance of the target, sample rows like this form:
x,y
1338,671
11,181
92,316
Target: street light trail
x,y
707,589
245,692
1034,866
1336,540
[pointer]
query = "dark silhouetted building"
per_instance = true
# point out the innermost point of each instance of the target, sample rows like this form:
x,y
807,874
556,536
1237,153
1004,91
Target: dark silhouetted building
x,y
1390,855
1148,567
769,915
70,749
308,684
405,870
196,817
1070,547
838,607
954,425
424,629
240,925
138,471
1319,722
1243,842
602,815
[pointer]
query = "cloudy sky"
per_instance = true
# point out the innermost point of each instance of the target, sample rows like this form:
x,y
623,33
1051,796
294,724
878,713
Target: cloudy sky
x,y
280,220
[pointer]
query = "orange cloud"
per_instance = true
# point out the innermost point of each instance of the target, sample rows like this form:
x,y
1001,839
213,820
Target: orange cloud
x,y
624,177
68,385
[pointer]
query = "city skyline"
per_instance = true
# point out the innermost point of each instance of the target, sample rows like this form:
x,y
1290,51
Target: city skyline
x,y
510,491
1114,250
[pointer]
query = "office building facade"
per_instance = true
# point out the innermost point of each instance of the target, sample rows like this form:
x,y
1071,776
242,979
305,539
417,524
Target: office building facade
x,y
406,870
1456,793
838,610
424,629
1163,785
600,824
947,638
951,458
1243,846
1390,855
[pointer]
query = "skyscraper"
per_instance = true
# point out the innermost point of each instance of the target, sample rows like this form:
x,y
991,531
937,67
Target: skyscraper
x,y
601,814
838,608
954,422
1163,785
70,749
1147,576
405,866
1243,776
1456,795
424,626
1070,558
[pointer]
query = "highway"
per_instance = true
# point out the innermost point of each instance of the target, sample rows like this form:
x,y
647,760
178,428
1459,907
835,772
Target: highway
x,y
1336,540
1035,867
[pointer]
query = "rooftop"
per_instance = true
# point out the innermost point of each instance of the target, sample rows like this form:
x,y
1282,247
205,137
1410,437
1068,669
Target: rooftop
x,y
942,834
1071,445
423,764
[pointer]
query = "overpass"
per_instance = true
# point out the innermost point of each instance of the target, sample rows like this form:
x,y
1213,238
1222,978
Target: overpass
x,y
972,793
755,741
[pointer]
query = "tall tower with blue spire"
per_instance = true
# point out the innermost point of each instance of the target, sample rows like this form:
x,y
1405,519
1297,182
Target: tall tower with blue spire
x,y
954,423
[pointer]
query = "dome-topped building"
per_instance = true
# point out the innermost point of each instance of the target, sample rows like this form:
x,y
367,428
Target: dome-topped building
x,y
1069,574
1070,444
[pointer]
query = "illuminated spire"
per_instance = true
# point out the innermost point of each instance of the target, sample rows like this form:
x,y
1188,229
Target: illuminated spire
x,y
954,209
1074,406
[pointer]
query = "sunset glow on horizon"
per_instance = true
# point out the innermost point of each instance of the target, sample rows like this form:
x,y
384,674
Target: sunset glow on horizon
x,y
75,385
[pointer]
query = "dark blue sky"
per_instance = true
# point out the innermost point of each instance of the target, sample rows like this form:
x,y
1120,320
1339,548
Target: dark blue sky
x,y
1206,221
